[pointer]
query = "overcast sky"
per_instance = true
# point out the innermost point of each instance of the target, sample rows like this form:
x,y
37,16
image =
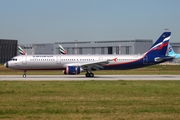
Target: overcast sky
x,y
49,21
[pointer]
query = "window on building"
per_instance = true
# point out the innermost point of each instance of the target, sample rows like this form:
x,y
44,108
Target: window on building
x,y
80,50
93,50
73,52
102,50
110,50
67,50
117,50
127,49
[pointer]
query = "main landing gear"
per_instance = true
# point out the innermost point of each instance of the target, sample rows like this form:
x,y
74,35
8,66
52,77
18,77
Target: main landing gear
x,y
24,75
89,74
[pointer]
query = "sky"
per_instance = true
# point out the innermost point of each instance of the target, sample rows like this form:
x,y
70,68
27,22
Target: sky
x,y
49,21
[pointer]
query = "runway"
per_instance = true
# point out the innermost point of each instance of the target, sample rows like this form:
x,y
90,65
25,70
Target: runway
x,y
83,78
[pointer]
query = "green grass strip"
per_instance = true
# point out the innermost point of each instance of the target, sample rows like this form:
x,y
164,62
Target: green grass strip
x,y
92,100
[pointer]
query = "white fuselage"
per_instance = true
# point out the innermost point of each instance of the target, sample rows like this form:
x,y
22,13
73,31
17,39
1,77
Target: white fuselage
x,y
27,62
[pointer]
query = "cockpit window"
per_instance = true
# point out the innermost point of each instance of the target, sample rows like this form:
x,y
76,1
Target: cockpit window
x,y
14,59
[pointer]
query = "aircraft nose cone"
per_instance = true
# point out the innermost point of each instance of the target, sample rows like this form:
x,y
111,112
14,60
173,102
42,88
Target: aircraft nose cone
x,y
6,64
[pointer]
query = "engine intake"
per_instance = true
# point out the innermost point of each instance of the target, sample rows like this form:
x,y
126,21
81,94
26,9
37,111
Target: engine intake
x,y
72,70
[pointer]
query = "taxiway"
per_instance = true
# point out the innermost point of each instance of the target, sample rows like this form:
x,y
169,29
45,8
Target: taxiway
x,y
82,77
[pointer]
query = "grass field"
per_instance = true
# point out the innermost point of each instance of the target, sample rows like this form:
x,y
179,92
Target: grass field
x,y
155,69
90,100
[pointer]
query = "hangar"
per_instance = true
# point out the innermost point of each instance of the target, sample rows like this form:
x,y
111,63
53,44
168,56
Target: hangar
x,y
8,49
137,46
106,47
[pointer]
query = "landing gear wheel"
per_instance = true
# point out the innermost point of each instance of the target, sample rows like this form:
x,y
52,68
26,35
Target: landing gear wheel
x,y
89,75
24,75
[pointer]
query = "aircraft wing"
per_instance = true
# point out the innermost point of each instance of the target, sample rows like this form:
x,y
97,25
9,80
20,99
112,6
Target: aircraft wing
x,y
94,65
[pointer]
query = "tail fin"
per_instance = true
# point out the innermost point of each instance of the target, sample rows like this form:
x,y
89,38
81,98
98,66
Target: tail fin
x,y
62,50
170,51
21,51
160,46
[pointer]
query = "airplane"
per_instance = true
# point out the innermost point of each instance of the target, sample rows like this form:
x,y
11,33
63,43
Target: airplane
x,y
74,64
62,50
21,51
170,52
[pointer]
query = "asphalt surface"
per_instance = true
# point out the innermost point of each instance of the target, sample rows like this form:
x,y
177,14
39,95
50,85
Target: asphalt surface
x,y
82,77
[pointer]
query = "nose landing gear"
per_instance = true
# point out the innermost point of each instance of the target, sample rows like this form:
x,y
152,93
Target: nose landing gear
x,y
24,75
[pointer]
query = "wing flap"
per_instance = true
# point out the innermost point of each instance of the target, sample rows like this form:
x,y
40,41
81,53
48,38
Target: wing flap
x,y
95,65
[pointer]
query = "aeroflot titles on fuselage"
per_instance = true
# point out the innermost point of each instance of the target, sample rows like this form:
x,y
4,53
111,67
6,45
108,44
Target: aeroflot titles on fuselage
x,y
42,55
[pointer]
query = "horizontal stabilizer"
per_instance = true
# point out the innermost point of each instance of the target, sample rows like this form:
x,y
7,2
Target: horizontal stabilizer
x,y
159,59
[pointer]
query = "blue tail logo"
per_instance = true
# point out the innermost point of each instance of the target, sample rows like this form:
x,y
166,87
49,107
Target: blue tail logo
x,y
170,50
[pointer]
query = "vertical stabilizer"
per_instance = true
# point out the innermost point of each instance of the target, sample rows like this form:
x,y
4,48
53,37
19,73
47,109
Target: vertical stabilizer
x,y
62,50
170,51
160,46
21,51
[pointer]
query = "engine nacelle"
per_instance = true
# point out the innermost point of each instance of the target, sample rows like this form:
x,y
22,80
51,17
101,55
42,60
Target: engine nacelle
x,y
72,70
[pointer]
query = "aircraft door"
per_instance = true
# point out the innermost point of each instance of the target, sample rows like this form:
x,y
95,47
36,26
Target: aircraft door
x,y
100,58
58,59
24,59
145,60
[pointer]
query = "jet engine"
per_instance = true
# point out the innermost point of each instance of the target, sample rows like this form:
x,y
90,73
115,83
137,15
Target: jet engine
x,y
72,70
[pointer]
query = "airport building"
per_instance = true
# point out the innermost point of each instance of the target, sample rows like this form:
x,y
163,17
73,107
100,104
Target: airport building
x,y
8,49
106,47
137,46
